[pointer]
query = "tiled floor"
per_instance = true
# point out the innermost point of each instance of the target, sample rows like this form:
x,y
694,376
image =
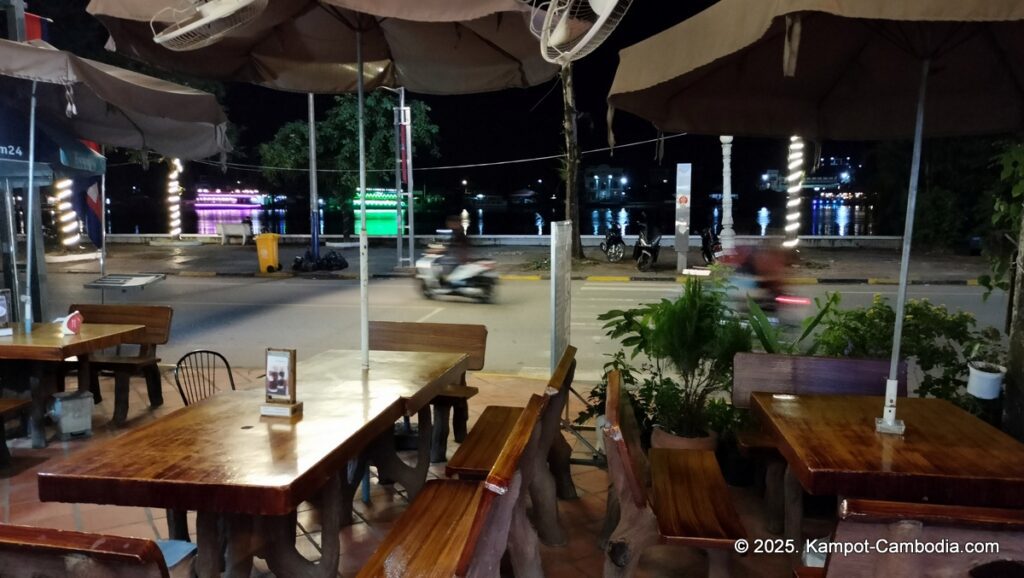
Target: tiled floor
x,y
582,518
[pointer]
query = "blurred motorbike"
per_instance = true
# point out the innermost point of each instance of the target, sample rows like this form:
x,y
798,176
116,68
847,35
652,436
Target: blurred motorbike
x,y
710,246
441,275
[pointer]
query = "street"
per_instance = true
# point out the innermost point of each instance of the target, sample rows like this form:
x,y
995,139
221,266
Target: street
x,y
241,317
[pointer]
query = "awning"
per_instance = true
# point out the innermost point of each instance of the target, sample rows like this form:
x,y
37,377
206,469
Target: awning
x,y
56,150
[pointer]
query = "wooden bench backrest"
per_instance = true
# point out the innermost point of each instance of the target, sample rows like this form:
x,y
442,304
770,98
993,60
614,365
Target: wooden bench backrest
x,y
28,552
805,375
500,483
877,511
156,318
557,394
433,337
623,446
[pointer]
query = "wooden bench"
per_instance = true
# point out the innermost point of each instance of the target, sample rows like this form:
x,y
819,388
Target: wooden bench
x,y
439,338
225,230
873,520
798,374
9,407
475,457
157,320
687,502
27,552
462,527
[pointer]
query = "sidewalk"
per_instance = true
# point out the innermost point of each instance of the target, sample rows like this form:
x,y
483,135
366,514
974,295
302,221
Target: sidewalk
x,y
833,266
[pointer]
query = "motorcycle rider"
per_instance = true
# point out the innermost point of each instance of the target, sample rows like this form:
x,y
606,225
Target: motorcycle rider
x,y
458,247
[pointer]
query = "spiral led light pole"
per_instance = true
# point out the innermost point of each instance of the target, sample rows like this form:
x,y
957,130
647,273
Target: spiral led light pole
x,y
68,218
174,198
794,182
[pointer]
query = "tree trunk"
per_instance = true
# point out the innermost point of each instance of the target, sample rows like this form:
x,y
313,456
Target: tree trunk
x,y
1013,418
572,160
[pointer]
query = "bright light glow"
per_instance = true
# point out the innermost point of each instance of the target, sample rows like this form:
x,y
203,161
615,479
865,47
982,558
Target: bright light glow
x,y
174,198
623,180
64,206
794,183
64,184
792,300
73,240
67,216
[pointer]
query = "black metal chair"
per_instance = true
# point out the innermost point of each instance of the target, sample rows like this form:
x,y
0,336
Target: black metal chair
x,y
196,375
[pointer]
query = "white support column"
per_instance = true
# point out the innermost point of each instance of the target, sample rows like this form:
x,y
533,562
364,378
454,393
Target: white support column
x,y
728,235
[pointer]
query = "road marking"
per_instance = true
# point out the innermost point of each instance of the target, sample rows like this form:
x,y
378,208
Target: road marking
x,y
649,288
431,314
607,278
519,277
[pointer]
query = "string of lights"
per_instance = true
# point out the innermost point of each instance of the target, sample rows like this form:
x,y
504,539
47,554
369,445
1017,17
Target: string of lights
x,y
794,183
69,227
174,197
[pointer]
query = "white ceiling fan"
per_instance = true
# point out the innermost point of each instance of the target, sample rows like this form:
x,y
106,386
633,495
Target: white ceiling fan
x,y
572,29
200,23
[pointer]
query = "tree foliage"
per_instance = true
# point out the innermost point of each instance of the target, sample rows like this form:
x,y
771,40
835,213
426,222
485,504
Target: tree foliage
x,y
1007,203
337,146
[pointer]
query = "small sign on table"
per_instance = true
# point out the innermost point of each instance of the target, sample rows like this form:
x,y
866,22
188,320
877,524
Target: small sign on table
x,y
280,384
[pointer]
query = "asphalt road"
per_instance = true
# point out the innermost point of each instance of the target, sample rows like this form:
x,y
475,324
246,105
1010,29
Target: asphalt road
x,y
240,317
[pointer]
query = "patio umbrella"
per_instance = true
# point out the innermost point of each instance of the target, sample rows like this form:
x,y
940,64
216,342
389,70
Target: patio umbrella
x,y
335,46
108,105
836,69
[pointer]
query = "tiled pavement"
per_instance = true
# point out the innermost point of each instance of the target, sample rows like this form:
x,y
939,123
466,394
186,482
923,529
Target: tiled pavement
x,y
582,518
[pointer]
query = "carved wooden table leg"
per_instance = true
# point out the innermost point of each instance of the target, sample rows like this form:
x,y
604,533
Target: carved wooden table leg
x,y
439,440
241,545
774,509
177,525
84,372
122,391
279,545
718,563
460,417
794,504
154,385
5,454
350,481
382,454
208,543
38,385
559,457
637,530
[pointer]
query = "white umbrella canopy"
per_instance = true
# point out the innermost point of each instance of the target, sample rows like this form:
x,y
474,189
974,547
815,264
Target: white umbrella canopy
x,y
430,47
114,106
836,69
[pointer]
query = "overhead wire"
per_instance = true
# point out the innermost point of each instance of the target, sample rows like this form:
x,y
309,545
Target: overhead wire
x,y
263,168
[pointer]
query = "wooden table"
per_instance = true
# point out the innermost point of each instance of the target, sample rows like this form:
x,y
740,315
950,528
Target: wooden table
x,y
946,456
248,473
46,347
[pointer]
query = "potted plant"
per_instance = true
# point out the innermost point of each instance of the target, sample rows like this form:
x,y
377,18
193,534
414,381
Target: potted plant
x,y
685,349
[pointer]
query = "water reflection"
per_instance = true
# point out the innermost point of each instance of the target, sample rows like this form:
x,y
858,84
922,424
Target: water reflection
x,y
763,218
479,221
842,219
270,221
539,221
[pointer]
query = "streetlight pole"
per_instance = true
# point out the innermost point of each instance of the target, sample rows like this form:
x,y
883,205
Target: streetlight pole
x,y
728,235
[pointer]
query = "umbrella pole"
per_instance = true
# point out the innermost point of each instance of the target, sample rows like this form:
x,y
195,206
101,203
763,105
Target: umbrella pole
x,y
888,422
103,233
364,298
314,202
30,216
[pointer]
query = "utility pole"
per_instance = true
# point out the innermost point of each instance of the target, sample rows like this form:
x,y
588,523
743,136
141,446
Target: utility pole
x,y
728,235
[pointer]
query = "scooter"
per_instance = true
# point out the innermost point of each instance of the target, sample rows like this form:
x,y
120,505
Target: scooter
x,y
475,279
646,251
613,245
710,246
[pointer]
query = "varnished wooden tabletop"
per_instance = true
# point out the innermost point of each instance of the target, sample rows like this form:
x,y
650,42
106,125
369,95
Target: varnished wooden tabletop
x,y
46,343
219,455
946,456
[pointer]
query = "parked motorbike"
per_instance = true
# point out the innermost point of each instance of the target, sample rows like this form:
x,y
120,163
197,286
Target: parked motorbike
x,y
439,274
645,252
613,245
710,246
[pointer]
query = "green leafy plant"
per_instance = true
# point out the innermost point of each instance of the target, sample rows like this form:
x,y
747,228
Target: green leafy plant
x,y
1007,207
771,337
676,360
941,342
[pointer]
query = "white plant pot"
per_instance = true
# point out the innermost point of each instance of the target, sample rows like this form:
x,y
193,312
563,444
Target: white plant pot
x,y
985,380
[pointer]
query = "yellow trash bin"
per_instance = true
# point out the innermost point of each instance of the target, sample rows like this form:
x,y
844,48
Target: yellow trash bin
x,y
266,248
